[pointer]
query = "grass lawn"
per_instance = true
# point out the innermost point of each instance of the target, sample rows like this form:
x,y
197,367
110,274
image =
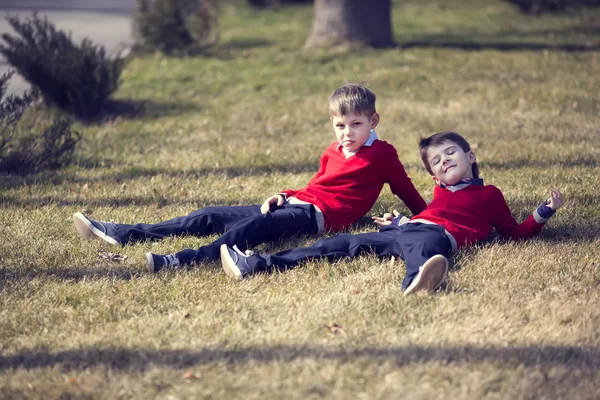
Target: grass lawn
x,y
515,320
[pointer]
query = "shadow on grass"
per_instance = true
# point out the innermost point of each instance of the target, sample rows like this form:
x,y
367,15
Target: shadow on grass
x,y
245,44
13,181
131,109
111,271
121,201
499,41
586,161
123,359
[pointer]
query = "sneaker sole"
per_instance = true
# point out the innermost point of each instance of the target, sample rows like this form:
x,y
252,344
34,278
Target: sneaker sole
x,y
150,262
88,231
229,264
431,275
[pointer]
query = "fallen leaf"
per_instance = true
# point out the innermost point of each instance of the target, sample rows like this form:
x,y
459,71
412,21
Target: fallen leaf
x,y
112,257
71,380
336,328
189,375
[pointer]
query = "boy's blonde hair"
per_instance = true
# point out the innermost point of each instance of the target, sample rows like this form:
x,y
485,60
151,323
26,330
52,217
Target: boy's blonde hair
x,y
352,98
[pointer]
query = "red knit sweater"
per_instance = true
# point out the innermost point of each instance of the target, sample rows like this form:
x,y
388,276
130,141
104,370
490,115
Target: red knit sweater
x,y
345,189
470,214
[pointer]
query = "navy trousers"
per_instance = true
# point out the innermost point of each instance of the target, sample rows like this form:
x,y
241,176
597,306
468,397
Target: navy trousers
x,y
244,226
414,243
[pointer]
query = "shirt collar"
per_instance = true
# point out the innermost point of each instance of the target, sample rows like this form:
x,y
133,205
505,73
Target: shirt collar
x,y
372,137
463,183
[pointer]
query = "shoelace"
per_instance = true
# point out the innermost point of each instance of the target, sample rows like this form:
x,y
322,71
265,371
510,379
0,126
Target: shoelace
x,y
171,261
247,253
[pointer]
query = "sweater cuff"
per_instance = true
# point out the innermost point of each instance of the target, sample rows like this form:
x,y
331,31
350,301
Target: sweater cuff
x,y
543,214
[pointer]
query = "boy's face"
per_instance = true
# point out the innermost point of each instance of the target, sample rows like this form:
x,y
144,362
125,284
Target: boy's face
x,y
450,163
353,130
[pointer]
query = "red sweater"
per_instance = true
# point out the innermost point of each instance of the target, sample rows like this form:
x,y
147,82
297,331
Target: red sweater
x,y
345,189
470,214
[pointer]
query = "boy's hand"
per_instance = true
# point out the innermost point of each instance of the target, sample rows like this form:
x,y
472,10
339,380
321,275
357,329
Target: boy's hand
x,y
386,219
277,200
555,201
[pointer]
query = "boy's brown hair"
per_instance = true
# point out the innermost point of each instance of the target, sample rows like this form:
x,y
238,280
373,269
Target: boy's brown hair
x,y
352,98
439,138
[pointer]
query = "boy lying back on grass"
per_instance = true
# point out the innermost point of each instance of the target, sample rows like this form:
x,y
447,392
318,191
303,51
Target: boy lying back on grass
x,y
352,173
463,211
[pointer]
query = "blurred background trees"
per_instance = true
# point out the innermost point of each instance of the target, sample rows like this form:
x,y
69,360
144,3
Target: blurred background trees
x,y
176,26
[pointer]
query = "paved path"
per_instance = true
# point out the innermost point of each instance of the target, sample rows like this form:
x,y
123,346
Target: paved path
x,y
105,22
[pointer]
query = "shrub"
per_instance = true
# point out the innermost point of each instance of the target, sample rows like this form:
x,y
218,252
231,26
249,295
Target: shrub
x,y
172,26
33,148
76,79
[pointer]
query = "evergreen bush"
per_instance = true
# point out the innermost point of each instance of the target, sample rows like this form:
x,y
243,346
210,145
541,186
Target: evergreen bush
x,y
34,147
172,26
76,79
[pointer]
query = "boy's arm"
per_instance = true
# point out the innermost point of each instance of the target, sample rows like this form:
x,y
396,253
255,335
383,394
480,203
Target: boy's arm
x,y
393,218
508,227
401,185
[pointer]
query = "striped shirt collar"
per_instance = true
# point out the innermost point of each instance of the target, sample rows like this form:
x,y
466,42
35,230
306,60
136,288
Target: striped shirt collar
x,y
463,183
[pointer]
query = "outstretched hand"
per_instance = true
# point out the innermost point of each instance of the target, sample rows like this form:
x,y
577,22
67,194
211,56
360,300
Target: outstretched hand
x,y
277,200
386,219
555,201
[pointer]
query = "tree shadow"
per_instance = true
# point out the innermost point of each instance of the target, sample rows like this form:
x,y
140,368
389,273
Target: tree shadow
x,y
586,161
121,201
109,271
128,173
245,43
584,357
149,109
500,40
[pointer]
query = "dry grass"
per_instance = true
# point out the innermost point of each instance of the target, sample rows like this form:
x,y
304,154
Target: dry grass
x,y
515,320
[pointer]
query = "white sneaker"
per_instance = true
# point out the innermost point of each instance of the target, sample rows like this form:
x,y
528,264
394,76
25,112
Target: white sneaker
x,y
430,276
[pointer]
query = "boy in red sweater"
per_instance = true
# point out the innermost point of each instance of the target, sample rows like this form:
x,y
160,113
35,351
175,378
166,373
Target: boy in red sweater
x,y
351,175
463,212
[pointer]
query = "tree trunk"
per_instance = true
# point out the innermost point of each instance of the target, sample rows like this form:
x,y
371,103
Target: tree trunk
x,y
338,22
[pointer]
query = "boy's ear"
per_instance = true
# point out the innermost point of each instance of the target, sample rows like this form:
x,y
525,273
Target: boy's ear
x,y
436,180
374,120
472,157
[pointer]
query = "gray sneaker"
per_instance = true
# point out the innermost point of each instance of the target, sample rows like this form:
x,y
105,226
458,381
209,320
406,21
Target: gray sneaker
x,y
90,229
235,262
430,276
157,262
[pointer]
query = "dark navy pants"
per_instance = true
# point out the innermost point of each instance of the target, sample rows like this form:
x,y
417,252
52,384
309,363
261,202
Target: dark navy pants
x,y
414,243
244,226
